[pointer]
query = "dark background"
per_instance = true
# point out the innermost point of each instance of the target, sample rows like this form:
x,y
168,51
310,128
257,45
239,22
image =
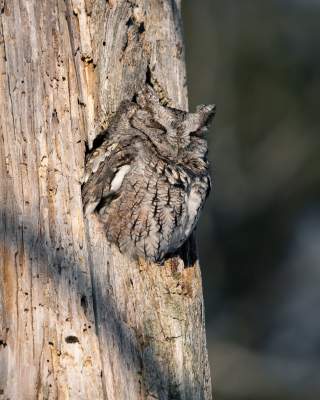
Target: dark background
x,y
259,236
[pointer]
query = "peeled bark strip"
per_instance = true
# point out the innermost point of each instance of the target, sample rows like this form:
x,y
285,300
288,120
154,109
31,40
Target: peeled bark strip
x,y
78,320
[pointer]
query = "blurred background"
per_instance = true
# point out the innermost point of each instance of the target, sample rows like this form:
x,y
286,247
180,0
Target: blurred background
x,y
259,235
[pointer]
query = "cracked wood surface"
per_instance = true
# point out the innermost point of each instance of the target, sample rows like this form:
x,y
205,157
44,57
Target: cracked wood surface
x,y
78,320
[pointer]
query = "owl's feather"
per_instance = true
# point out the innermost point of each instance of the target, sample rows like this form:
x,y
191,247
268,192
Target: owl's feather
x,y
149,178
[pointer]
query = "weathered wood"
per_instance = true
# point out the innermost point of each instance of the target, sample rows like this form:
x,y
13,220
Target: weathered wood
x,y
77,319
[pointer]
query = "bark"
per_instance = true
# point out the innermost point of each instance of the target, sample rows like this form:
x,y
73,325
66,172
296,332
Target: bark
x,y
78,320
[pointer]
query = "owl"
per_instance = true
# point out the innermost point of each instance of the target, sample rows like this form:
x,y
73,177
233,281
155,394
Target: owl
x,y
148,179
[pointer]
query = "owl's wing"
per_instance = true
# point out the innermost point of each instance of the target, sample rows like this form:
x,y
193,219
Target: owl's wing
x,y
106,169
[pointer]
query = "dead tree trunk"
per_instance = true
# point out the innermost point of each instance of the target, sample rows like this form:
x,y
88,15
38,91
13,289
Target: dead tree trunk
x,y
77,320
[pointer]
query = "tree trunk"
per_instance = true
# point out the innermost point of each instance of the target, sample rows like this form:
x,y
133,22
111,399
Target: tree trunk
x,y
77,319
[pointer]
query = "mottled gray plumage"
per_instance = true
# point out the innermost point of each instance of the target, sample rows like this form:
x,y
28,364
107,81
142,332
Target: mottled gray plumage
x,y
148,180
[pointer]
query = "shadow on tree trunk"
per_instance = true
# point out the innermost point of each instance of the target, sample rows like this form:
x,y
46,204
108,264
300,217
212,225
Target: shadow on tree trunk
x,y
139,352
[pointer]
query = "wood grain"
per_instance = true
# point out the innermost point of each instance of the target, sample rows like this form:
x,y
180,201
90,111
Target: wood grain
x,y
77,319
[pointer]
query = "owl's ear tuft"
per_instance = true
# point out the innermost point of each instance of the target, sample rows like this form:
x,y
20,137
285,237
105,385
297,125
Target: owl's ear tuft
x,y
198,122
205,115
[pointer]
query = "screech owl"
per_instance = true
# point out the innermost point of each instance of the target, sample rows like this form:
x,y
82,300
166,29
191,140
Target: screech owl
x,y
149,179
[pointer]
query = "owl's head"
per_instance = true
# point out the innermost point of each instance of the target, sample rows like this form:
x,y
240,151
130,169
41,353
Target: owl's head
x,y
173,132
